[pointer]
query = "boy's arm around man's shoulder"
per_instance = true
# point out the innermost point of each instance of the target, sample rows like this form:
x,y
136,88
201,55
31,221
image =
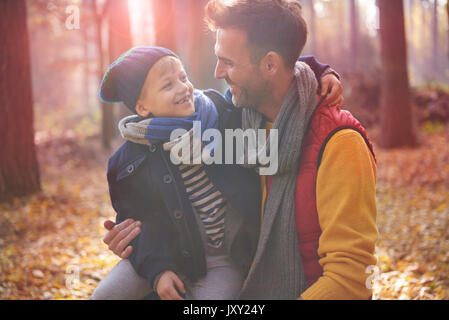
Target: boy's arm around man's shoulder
x,y
317,67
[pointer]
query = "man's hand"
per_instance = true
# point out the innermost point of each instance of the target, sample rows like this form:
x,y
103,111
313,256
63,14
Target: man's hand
x,y
332,86
166,289
119,236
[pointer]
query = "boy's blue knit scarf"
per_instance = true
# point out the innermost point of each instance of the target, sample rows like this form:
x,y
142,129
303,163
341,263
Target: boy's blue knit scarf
x,y
156,130
160,129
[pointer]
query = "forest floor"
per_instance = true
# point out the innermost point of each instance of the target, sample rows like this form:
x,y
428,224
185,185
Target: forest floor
x,y
51,243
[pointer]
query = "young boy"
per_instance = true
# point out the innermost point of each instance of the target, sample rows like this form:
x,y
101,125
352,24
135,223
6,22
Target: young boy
x,y
199,224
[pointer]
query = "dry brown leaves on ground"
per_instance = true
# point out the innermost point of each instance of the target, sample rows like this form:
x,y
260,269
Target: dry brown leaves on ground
x,y
51,243
413,220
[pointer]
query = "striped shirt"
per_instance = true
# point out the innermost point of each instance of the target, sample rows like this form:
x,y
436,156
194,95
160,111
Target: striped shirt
x,y
207,200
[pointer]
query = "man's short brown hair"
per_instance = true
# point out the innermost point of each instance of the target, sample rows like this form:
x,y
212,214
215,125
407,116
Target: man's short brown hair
x,y
271,25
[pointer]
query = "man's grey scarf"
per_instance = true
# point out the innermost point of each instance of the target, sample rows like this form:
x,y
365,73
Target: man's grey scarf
x,y
277,271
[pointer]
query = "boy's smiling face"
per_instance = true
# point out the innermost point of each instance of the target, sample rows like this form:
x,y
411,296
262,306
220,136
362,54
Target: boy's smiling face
x,y
167,91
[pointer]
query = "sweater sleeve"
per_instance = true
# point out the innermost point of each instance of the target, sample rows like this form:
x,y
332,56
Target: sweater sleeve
x,y
346,204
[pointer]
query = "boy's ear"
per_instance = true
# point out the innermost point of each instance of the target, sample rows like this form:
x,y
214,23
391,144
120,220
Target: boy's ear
x,y
142,110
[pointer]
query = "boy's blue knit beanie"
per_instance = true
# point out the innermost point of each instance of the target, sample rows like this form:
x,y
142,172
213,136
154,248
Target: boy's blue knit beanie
x,y
124,79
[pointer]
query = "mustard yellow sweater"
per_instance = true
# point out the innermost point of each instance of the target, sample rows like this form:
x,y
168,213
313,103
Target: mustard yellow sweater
x,y
346,204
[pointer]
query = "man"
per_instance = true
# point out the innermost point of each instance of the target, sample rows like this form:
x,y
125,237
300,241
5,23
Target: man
x,y
318,227
334,197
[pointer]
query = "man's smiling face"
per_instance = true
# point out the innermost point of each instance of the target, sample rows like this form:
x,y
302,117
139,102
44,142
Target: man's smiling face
x,y
236,67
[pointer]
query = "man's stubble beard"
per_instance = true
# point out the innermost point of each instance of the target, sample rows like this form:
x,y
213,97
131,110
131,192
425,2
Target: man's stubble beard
x,y
254,98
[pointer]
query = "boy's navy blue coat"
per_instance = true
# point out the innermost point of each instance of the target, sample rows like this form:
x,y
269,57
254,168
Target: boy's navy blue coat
x,y
146,186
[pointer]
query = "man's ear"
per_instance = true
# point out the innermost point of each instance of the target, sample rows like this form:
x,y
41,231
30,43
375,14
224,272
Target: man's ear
x,y
142,110
271,63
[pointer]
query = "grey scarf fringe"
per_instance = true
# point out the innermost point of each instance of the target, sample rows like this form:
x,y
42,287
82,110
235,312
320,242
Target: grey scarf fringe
x,y
134,131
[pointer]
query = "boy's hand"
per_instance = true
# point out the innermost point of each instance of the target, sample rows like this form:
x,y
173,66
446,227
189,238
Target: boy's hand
x,y
119,236
166,289
332,86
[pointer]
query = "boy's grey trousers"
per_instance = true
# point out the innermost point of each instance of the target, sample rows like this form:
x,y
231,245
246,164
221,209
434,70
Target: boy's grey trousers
x,y
223,281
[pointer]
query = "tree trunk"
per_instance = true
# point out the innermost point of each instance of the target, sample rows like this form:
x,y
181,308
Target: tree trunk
x,y
341,21
354,36
411,30
19,168
312,27
435,68
447,11
424,39
201,63
196,43
164,24
107,113
120,41
410,6
396,112
85,33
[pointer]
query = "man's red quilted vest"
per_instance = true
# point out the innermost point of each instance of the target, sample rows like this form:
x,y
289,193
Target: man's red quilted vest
x,y
325,123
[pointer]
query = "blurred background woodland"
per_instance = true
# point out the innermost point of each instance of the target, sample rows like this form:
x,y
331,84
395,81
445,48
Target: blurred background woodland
x,y
56,135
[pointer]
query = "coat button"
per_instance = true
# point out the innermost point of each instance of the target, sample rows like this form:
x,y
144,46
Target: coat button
x,y
185,253
130,168
153,148
178,214
168,178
